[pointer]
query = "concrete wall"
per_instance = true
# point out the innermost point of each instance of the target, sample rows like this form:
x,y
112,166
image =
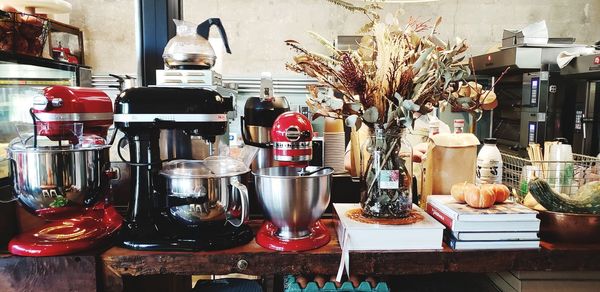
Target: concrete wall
x,y
258,28
109,34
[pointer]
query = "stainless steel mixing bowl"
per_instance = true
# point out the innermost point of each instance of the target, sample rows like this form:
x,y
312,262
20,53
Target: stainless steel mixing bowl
x,y
291,201
52,177
207,191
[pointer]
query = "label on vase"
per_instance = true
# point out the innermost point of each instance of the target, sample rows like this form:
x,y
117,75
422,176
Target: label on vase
x,y
389,179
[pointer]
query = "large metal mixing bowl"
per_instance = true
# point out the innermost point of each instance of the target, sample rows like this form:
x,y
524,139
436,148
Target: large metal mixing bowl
x,y
46,178
290,201
197,194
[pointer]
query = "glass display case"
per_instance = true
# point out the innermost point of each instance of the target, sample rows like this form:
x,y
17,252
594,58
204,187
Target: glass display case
x,y
22,78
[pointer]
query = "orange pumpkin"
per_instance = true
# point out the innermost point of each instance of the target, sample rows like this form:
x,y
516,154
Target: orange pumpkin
x,y
458,191
480,198
502,192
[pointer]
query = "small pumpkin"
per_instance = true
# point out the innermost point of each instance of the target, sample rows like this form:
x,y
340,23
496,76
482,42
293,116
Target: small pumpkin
x,y
502,192
479,198
458,191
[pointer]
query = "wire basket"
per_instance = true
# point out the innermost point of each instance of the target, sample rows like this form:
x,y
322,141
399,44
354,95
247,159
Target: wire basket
x,y
22,33
563,176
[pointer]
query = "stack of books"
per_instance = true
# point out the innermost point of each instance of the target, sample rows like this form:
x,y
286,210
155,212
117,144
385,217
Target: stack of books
x,y
503,226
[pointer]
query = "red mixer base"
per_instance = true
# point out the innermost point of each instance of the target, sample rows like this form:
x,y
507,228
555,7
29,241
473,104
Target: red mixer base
x,y
319,236
94,227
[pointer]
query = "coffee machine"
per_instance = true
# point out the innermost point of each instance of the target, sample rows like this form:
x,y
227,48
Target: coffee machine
x,y
259,115
293,195
153,221
61,171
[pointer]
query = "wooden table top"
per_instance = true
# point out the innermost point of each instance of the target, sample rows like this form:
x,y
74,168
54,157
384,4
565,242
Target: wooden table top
x,y
325,260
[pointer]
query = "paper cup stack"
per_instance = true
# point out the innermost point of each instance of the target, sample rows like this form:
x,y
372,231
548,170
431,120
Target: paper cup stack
x,y
334,144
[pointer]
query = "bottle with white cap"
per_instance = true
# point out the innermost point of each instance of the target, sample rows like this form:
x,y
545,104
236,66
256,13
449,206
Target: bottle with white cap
x,y
489,163
459,126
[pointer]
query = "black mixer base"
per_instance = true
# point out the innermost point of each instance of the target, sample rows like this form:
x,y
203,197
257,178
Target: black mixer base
x,y
196,240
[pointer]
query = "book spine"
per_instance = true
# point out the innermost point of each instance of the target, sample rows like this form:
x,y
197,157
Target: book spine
x,y
440,216
442,207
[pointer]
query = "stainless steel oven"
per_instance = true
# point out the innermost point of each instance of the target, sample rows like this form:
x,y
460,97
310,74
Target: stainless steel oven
x,y
531,96
583,119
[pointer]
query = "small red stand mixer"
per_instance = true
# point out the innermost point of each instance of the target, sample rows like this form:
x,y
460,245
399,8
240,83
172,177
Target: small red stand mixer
x,y
60,171
293,195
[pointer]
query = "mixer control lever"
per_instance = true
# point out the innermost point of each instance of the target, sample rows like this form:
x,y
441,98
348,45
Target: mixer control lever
x,y
56,102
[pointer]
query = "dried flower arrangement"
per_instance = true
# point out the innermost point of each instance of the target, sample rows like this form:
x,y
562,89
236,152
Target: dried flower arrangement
x,y
396,68
396,71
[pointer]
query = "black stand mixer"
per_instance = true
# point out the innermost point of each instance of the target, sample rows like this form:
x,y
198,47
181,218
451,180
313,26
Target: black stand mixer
x,y
152,223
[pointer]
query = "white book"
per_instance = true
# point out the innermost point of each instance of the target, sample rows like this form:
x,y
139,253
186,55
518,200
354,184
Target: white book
x,y
507,211
494,236
354,235
519,244
482,226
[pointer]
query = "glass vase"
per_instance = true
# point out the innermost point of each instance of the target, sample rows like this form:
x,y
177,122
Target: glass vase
x,y
386,185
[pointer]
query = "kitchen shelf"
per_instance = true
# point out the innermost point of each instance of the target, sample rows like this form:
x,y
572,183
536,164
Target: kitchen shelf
x,y
118,263
38,61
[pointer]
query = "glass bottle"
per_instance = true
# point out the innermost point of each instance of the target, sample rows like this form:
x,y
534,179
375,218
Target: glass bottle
x,y
459,126
386,186
489,163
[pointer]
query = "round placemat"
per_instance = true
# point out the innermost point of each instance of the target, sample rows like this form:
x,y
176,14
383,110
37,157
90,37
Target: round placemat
x,y
357,215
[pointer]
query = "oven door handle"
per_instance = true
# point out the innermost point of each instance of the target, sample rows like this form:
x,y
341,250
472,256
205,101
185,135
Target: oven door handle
x,y
583,122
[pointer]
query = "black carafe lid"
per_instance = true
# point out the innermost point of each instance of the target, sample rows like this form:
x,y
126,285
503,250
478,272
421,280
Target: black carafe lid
x,y
491,141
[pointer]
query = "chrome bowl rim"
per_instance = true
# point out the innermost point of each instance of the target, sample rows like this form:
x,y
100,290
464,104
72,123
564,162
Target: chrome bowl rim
x,y
322,173
56,149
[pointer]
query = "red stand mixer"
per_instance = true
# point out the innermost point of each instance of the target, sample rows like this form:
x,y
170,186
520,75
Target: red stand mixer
x,y
60,171
293,195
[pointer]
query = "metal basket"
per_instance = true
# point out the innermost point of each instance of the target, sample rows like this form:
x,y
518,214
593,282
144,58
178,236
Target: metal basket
x,y
22,33
563,176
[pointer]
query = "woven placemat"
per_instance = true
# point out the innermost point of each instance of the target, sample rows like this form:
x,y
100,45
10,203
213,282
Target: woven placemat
x,y
357,215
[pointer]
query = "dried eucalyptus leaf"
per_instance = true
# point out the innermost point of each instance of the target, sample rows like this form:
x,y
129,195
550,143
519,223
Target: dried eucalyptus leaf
x,y
371,115
335,103
419,63
322,97
458,76
447,78
351,121
352,107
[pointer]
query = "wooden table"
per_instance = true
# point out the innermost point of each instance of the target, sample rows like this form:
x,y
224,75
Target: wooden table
x,y
61,273
253,259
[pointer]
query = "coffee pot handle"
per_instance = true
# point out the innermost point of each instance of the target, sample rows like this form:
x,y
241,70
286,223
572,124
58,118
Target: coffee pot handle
x,y
245,203
204,28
